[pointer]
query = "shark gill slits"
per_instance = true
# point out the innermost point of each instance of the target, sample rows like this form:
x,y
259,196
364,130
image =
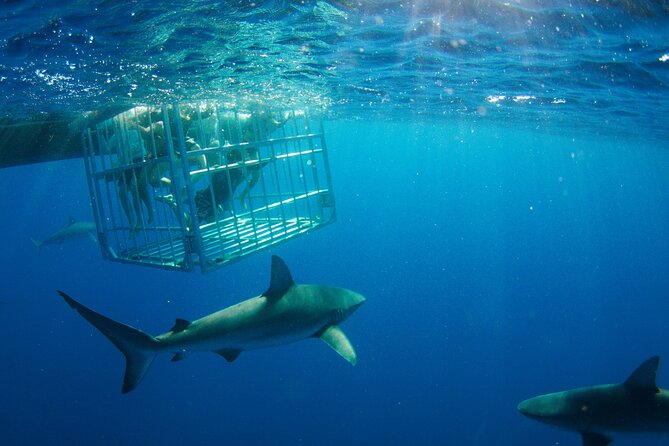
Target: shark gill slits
x,y
338,315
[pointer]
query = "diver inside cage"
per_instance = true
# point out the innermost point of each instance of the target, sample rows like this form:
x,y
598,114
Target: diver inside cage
x,y
210,126
235,128
250,127
152,130
139,136
257,126
213,201
133,188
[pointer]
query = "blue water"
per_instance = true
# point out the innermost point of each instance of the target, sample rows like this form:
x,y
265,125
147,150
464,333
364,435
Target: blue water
x,y
506,249
541,64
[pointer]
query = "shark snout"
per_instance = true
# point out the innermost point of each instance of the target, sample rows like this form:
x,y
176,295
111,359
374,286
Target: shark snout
x,y
543,407
356,301
524,408
351,303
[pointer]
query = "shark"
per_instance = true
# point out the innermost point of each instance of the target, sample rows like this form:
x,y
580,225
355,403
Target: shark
x,y
285,313
597,412
71,231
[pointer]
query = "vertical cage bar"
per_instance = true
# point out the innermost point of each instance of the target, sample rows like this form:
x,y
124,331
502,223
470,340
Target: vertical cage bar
x,y
176,185
93,191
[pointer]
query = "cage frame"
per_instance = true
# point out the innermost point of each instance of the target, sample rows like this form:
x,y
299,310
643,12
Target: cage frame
x,y
296,160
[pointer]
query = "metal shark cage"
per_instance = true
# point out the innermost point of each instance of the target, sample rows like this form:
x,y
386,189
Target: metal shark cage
x,y
199,185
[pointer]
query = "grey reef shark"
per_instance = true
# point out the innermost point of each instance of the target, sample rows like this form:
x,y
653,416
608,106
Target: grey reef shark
x,y
285,313
597,412
73,230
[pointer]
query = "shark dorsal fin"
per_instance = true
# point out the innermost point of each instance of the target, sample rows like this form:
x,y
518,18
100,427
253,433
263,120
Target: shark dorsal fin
x,y
643,378
281,280
180,325
595,439
229,354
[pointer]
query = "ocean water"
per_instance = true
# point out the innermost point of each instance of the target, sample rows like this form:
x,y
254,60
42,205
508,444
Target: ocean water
x,y
502,183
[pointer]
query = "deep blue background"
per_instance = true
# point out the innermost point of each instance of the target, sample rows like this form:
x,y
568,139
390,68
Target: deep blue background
x,y
497,265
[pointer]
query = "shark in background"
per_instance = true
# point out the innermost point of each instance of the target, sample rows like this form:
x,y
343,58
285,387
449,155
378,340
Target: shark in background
x,y
73,230
285,313
634,406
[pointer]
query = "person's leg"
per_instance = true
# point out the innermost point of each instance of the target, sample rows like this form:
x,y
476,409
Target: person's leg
x,y
144,191
252,177
125,204
136,204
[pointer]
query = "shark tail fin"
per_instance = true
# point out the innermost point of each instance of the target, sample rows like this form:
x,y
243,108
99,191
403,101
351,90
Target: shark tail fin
x,y
138,347
37,244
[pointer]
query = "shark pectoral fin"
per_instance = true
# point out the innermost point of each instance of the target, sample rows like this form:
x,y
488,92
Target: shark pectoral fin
x,y
178,357
179,325
595,439
281,279
335,338
228,354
